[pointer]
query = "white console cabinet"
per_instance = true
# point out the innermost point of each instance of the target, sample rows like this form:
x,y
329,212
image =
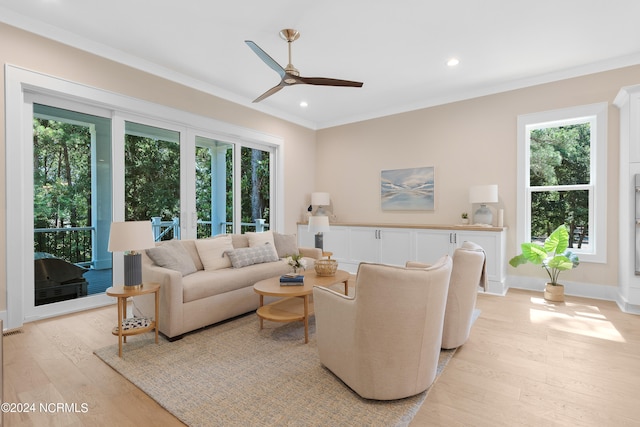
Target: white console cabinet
x,y
352,244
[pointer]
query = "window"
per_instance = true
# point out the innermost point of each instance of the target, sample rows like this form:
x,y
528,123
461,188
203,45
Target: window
x,y
562,177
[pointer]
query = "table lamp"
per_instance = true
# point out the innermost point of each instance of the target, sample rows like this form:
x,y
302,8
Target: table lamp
x,y
129,237
483,194
319,224
320,200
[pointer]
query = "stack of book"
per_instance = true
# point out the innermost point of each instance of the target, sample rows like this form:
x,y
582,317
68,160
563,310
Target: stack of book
x,y
291,280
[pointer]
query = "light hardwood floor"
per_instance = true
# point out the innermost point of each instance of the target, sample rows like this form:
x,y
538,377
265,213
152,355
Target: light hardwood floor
x,y
527,362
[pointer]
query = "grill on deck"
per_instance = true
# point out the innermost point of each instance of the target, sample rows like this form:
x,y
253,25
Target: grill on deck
x,y
58,280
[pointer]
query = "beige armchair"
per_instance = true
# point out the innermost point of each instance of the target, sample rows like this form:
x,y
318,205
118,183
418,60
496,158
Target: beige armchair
x,y
469,271
384,342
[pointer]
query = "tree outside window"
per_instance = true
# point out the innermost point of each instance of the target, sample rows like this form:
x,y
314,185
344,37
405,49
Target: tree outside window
x,y
560,181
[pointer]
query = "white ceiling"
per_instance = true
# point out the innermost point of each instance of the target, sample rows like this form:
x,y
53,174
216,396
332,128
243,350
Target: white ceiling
x,y
397,48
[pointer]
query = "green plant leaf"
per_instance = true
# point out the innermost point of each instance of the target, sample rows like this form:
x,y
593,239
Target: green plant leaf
x,y
534,253
560,262
558,241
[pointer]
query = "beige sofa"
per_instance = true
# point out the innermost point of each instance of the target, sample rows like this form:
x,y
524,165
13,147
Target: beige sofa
x,y
206,281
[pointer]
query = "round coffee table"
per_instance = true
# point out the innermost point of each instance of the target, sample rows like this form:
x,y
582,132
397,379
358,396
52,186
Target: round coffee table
x,y
294,304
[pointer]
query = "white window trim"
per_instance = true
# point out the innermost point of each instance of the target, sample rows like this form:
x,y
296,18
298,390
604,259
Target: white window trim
x,y
598,201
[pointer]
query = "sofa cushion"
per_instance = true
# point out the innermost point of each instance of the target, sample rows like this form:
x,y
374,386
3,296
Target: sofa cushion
x,y
204,284
286,244
173,255
259,239
240,241
190,246
256,255
212,252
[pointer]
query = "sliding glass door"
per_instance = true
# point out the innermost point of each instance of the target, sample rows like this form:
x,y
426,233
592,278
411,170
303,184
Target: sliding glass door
x,y
82,158
71,206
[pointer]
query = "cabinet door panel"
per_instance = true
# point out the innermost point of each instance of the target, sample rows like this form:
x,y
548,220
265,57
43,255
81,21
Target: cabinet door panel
x,y
336,240
431,245
364,244
395,246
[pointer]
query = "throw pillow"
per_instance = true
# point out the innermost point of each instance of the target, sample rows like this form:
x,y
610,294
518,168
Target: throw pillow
x,y
248,256
212,252
285,244
259,239
172,255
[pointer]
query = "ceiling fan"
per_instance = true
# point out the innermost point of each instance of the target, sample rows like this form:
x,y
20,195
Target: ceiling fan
x,y
290,75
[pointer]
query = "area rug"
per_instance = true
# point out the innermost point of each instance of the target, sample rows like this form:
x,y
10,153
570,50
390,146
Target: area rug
x,y
234,374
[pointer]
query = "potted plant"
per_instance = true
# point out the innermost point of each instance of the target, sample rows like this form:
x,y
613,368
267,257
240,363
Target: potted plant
x,y
465,217
554,258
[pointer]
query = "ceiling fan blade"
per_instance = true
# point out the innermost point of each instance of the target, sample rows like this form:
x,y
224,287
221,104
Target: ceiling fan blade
x,y
266,58
322,81
269,92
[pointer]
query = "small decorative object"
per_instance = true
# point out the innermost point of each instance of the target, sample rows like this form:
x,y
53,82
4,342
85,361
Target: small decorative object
x,y
554,258
297,262
326,267
465,217
292,279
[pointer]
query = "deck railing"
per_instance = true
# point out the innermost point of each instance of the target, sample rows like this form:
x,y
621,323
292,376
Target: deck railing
x,y
74,243
69,243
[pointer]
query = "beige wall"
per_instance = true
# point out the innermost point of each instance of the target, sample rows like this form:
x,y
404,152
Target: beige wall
x,y
468,142
38,54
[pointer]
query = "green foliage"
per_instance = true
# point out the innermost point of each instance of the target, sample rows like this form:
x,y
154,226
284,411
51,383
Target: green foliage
x,y
63,182
61,187
152,178
553,256
61,174
560,156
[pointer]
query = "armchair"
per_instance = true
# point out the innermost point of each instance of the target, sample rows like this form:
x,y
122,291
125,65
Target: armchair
x,y
384,342
469,271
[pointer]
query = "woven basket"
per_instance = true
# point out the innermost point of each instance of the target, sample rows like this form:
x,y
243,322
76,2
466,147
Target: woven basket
x,y
326,267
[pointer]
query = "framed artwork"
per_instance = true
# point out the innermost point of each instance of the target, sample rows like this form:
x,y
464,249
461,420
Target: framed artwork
x,y
407,189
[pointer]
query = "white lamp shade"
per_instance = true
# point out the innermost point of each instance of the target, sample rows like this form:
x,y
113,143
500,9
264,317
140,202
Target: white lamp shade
x,y
130,236
320,199
318,224
483,194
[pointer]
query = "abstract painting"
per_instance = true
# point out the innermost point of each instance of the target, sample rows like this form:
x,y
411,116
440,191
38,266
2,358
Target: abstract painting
x,y
407,189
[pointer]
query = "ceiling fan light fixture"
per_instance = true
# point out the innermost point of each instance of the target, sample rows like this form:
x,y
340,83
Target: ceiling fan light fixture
x,y
304,104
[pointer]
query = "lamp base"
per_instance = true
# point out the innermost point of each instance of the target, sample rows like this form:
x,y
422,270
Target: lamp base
x,y
132,271
319,241
483,216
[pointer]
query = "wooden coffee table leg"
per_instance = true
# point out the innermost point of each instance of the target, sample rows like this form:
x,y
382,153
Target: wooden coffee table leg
x,y
261,304
346,287
306,319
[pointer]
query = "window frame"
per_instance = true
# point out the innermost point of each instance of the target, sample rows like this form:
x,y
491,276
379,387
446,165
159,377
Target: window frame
x,y
596,114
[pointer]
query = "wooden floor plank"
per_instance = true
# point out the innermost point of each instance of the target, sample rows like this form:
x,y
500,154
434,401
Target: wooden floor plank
x,y
527,363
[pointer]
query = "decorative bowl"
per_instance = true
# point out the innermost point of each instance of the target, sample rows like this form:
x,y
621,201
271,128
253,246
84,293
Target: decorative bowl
x,y
326,267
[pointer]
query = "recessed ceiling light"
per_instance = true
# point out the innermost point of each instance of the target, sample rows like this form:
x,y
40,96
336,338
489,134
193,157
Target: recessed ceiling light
x,y
453,62
304,104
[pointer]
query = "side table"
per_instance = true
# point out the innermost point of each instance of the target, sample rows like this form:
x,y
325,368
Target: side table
x,y
122,293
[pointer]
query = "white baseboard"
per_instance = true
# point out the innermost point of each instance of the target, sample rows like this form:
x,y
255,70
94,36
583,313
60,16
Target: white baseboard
x,y
586,290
